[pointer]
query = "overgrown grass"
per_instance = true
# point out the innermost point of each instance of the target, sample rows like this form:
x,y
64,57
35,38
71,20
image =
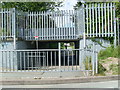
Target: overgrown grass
x,y
109,52
114,68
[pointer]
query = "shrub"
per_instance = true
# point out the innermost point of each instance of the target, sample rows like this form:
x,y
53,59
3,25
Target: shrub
x,y
109,52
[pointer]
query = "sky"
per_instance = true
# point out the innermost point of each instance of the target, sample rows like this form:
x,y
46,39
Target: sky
x,y
68,4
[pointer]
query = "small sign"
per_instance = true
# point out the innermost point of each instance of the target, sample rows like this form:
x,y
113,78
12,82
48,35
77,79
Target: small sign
x,y
36,37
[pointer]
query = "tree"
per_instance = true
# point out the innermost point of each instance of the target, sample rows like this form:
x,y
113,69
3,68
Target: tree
x,y
32,6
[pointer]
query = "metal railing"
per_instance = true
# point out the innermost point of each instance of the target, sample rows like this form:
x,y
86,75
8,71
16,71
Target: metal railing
x,y
46,60
55,25
7,23
96,20
100,20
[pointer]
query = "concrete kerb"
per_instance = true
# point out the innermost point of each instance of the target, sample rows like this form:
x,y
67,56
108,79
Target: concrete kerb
x,y
42,81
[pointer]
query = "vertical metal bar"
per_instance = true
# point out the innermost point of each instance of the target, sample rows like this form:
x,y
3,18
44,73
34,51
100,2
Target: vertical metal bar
x,y
14,26
108,19
58,25
69,23
67,30
51,59
7,25
52,36
84,39
20,61
30,36
74,13
72,60
62,30
35,24
115,37
87,17
2,22
24,60
6,61
10,60
35,60
76,58
39,60
13,60
48,26
2,61
102,19
68,60
10,23
59,45
64,19
37,20
118,29
54,25
64,59
32,59
90,18
93,66
93,20
42,24
99,18
55,58
111,19
26,22
47,61
96,61
105,19
96,18
28,60
80,54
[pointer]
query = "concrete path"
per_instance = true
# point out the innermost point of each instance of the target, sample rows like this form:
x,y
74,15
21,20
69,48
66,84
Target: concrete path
x,y
32,75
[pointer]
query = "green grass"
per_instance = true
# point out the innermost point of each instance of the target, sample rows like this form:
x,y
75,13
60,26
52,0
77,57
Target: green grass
x,y
109,52
114,68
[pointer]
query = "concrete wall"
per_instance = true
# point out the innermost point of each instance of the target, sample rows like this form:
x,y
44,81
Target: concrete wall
x,y
98,47
11,59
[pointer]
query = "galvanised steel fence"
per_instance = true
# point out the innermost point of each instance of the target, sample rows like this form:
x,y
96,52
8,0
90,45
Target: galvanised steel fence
x,y
45,60
7,23
96,20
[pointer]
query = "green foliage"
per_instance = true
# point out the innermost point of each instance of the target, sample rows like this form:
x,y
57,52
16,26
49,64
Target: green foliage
x,y
87,63
101,69
118,9
114,68
109,52
32,6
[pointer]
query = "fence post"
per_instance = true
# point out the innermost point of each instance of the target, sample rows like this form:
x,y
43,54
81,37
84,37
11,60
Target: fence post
x,y
96,61
118,31
114,27
93,60
59,45
14,27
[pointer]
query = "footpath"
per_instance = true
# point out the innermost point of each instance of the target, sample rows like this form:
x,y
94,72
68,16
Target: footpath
x,y
27,78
